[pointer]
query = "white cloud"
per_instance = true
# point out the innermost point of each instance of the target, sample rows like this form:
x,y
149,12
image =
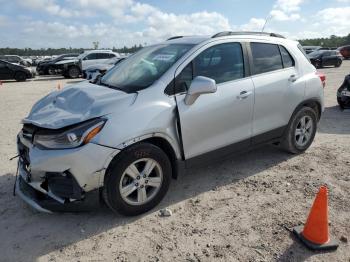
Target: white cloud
x,y
254,24
282,16
49,6
3,21
286,10
288,6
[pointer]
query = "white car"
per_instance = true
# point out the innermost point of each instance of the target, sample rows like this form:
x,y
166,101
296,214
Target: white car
x,y
73,68
171,106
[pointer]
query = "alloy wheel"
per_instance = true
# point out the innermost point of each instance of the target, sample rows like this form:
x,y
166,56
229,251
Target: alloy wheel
x,y
304,130
141,181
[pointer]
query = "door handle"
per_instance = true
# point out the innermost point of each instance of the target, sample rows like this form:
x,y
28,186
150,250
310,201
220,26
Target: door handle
x,y
244,94
293,78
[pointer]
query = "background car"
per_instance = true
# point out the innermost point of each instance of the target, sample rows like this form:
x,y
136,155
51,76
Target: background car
x,y
323,58
310,49
48,67
13,71
15,59
74,68
345,51
91,71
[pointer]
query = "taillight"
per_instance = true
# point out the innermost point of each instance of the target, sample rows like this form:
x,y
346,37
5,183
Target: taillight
x,y
322,77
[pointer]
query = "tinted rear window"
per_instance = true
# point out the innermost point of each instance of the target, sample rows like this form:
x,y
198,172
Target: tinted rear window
x,y
266,57
287,59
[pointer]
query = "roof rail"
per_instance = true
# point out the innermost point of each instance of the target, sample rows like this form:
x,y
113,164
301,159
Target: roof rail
x,y
175,37
227,33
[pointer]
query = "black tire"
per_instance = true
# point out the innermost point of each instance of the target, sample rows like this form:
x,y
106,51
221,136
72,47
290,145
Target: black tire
x,y
338,64
318,64
343,102
20,76
289,142
51,70
73,72
111,190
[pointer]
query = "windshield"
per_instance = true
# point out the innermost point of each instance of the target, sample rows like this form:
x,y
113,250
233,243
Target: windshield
x,y
81,56
144,67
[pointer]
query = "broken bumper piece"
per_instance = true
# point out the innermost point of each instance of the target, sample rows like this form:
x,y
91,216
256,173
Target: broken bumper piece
x,y
48,202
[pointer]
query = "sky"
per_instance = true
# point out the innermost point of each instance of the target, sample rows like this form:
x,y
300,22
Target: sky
x,y
118,23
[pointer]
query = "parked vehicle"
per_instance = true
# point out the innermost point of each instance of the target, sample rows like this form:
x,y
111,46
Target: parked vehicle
x,y
14,71
343,94
310,49
323,58
170,106
48,67
345,51
15,59
92,71
74,68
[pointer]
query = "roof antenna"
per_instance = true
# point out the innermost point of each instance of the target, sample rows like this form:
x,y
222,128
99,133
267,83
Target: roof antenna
x,y
266,20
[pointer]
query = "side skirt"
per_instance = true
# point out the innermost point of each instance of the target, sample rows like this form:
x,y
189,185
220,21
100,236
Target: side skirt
x,y
234,149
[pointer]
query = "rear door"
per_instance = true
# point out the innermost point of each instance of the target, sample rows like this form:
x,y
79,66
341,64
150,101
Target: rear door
x,y
103,57
278,89
328,59
221,120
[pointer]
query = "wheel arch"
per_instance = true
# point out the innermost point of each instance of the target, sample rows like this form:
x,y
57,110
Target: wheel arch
x,y
313,103
165,144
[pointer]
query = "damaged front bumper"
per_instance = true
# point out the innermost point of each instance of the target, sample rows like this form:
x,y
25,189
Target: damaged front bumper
x,y
61,180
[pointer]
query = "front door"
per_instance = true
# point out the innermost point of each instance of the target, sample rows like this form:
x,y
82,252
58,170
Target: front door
x,y
221,120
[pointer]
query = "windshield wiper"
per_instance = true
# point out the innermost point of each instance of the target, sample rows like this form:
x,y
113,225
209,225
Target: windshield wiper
x,y
110,86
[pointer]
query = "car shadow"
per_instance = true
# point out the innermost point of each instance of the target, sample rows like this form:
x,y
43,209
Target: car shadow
x,y
335,121
36,234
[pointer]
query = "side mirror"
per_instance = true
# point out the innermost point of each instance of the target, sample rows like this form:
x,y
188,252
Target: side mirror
x,y
200,85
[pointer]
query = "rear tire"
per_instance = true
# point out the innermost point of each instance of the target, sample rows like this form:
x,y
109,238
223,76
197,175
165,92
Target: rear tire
x,y
20,77
73,72
300,132
338,64
127,172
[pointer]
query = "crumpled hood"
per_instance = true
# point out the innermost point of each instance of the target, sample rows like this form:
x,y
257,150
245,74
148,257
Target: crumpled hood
x,y
77,103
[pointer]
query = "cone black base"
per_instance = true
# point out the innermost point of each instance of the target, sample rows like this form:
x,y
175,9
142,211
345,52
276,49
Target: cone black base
x,y
330,245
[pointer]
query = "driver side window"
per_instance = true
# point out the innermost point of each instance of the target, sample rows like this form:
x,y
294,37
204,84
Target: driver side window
x,y
223,63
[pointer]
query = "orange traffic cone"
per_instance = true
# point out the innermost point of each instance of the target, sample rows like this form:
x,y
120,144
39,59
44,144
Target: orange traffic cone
x,y
315,233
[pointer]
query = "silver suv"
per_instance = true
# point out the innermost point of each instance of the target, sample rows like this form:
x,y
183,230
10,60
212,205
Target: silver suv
x,y
168,107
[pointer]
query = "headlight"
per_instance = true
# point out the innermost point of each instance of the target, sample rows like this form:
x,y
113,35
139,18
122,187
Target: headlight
x,y
70,138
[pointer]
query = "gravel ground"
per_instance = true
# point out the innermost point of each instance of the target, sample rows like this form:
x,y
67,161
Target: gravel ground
x,y
236,210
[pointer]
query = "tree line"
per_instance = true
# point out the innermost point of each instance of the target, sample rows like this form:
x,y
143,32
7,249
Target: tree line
x,y
332,41
58,51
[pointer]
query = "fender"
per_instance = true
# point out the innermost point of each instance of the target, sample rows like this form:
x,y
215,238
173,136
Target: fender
x,y
152,135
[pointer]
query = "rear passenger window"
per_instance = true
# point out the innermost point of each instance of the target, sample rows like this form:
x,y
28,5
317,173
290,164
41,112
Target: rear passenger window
x,y
266,57
287,59
222,63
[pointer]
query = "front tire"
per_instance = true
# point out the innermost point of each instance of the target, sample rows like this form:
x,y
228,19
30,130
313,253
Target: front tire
x,y
301,131
73,72
137,179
